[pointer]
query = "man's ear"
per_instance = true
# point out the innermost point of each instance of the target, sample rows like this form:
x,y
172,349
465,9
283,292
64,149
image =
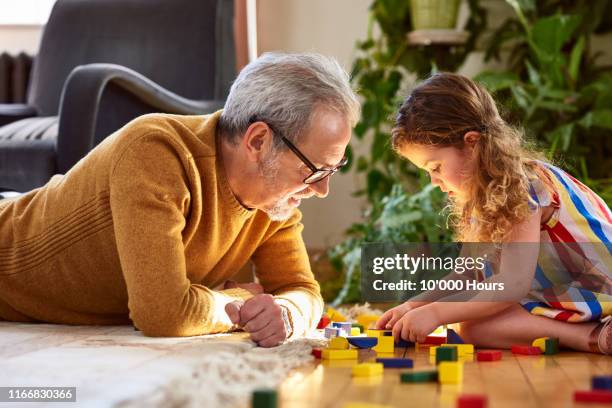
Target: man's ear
x,y
257,141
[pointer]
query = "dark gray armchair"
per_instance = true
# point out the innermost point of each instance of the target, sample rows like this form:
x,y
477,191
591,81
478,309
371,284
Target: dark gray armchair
x,y
102,63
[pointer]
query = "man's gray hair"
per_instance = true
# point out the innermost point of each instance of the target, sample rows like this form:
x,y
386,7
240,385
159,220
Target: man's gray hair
x,y
284,90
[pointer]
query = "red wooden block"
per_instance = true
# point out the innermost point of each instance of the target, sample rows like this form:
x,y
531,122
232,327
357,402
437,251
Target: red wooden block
x,y
488,355
471,401
437,340
316,353
593,396
323,322
526,350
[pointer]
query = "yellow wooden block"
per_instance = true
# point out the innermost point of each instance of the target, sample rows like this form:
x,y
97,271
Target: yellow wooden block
x,y
432,351
385,345
366,320
331,354
541,343
355,331
364,405
338,343
462,349
376,333
367,369
335,315
450,372
440,330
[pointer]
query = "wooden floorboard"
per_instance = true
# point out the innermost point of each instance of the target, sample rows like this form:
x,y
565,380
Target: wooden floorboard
x,y
37,355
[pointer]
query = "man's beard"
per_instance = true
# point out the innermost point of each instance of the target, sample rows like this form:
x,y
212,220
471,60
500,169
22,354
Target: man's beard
x,y
281,210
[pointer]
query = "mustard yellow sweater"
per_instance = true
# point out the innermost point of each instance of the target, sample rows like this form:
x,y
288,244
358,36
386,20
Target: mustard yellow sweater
x,y
139,231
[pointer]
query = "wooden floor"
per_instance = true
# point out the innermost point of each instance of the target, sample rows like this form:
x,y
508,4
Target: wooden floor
x,y
112,363
515,381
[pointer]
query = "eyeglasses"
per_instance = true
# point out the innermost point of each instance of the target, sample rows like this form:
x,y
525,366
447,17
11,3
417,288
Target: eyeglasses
x,y
317,174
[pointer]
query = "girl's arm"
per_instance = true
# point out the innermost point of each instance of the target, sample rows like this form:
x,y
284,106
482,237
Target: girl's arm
x,y
518,264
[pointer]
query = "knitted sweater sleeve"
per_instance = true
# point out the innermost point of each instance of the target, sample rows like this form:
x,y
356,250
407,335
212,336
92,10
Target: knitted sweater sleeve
x,y
149,197
283,268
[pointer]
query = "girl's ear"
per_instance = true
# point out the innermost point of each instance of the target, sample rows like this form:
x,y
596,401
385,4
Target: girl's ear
x,y
471,138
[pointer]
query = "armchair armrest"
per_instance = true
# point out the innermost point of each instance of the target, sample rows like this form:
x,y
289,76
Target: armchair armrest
x,y
12,112
80,102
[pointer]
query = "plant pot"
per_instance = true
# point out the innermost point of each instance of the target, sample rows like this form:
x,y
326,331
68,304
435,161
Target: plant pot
x,y
434,14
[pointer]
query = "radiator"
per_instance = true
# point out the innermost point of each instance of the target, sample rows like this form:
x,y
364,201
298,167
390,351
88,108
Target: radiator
x,y
14,77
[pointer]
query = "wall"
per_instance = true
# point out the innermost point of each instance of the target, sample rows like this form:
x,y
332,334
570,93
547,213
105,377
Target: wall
x,y
330,27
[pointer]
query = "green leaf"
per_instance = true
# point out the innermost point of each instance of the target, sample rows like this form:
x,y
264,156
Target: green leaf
x,y
362,164
497,81
561,137
549,34
601,118
576,58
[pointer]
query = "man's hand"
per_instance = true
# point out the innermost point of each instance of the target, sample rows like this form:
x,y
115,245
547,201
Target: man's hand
x,y
262,317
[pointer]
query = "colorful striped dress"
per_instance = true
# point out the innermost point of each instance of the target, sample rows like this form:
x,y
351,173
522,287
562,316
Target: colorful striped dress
x,y
573,278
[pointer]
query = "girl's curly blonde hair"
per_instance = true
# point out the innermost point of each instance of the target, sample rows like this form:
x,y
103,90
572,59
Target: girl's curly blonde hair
x,y
439,112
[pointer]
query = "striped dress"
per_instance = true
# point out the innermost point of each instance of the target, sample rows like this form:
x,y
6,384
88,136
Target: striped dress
x,y
573,278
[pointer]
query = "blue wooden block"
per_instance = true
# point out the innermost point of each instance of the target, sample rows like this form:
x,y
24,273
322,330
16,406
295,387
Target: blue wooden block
x,y
403,343
453,338
395,362
362,342
342,325
601,382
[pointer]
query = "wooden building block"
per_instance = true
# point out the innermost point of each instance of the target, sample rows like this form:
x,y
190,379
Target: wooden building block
x,y
453,338
323,322
446,353
472,401
367,369
419,376
525,350
462,349
395,362
330,354
548,345
602,396
489,355
362,342
376,332
385,345
437,340
601,382
331,332
367,320
338,343
450,372
335,315
264,398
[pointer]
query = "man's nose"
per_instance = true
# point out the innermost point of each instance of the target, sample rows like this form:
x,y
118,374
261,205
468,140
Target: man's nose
x,y
321,188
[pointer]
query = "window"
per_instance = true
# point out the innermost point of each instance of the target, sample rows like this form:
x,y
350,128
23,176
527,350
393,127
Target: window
x,y
25,12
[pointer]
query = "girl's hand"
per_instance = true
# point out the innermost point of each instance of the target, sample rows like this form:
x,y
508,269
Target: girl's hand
x,y
391,316
416,324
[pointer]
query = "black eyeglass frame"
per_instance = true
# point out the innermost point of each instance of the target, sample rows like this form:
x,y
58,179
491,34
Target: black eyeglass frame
x,y
310,179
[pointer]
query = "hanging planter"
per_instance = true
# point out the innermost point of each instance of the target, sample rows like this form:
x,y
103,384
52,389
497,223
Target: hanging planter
x,y
434,14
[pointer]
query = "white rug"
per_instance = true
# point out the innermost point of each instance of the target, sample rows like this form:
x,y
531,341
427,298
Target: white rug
x,y
119,367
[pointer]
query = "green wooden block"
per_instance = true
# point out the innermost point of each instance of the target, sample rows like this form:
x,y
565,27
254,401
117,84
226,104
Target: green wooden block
x,y
419,376
551,346
446,353
264,398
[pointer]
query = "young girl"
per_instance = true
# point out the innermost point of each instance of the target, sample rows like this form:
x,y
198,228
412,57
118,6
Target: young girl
x,y
500,192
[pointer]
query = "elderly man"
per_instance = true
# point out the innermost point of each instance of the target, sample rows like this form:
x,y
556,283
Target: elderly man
x,y
170,207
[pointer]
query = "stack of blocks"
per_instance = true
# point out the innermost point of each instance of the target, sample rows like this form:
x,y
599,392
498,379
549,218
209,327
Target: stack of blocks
x,y
601,390
547,345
